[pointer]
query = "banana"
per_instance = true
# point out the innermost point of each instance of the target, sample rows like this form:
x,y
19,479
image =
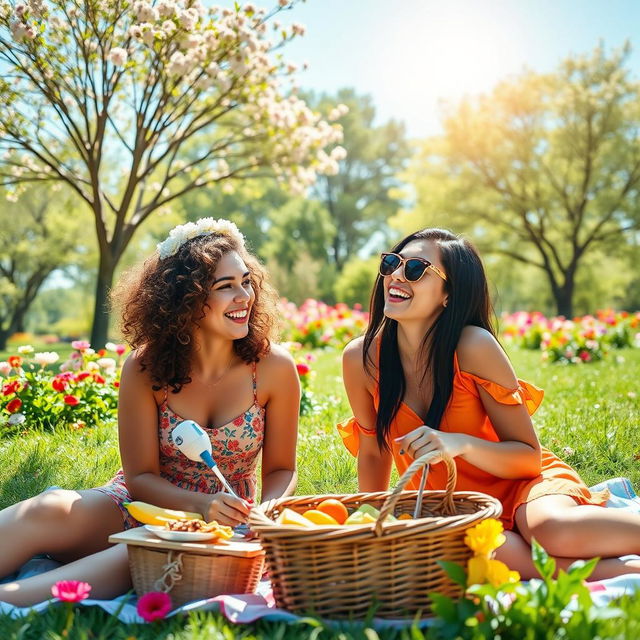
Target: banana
x,y
150,514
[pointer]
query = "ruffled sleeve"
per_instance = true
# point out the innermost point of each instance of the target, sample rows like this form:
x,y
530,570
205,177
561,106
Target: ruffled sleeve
x,y
526,393
350,431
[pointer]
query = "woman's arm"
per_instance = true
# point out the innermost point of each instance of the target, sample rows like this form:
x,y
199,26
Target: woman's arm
x,y
374,465
278,371
517,454
140,453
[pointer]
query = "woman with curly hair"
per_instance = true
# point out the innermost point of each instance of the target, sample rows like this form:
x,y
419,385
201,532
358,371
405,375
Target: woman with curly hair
x,y
200,317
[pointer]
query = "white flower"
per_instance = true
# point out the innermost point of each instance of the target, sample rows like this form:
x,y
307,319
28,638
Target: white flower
x,y
25,349
5,368
45,358
108,364
205,226
16,418
118,56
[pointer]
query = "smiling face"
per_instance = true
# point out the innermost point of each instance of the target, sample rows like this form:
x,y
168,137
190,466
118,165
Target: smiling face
x,y
423,300
229,304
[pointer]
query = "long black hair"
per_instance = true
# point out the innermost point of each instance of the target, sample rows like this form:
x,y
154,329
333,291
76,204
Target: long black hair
x,y
468,303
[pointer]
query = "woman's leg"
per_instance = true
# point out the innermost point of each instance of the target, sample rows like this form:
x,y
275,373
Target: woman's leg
x,y
516,554
64,524
106,571
567,529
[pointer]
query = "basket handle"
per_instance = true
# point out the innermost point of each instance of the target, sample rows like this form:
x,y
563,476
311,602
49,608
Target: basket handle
x,y
447,499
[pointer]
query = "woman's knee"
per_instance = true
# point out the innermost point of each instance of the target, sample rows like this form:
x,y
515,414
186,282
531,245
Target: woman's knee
x,y
557,533
48,508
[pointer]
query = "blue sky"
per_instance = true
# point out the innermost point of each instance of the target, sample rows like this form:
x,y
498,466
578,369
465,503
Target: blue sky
x,y
411,54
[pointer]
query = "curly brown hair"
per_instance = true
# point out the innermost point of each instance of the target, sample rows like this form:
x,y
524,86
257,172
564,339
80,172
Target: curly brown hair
x,y
161,301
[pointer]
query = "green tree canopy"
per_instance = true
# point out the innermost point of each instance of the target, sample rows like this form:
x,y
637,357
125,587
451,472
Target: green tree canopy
x,y
362,196
38,234
545,170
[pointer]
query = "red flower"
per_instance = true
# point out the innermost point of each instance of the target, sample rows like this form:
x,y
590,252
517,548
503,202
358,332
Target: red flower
x,y
83,375
303,368
233,445
71,590
72,401
11,387
116,384
14,405
15,361
102,352
59,384
98,378
153,606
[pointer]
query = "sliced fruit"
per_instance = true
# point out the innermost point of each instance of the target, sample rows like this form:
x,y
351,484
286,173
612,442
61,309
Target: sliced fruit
x,y
367,508
289,516
335,509
359,517
372,511
150,514
319,517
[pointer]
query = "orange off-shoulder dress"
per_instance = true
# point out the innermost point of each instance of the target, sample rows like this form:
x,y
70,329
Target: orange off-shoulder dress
x,y
465,413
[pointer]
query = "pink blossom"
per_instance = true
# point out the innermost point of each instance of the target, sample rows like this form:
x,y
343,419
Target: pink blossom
x,y
154,606
118,56
80,345
71,590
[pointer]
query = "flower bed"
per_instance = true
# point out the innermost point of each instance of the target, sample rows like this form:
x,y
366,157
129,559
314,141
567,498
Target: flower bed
x,y
580,340
315,324
83,393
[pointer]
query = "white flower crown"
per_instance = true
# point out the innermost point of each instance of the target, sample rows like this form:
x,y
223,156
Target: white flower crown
x,y
203,227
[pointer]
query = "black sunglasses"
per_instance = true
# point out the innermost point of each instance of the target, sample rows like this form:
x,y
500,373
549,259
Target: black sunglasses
x,y
414,268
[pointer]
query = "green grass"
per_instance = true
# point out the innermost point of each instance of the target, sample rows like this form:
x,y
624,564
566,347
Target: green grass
x,y
591,409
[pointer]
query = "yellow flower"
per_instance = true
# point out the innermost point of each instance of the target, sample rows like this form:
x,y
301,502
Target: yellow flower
x,y
481,569
485,537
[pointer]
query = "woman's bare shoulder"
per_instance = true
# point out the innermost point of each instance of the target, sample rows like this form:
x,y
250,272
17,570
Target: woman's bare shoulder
x,y
480,353
277,362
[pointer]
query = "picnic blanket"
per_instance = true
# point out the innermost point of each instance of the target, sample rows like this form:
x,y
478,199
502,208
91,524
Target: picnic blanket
x,y
246,608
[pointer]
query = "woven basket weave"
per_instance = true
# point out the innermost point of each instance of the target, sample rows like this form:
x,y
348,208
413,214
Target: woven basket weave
x,y
188,576
347,571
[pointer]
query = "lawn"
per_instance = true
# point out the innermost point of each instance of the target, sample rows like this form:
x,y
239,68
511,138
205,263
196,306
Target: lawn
x,y
589,417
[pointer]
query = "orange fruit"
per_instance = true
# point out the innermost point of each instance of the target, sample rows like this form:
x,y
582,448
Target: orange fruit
x,y
319,517
405,516
335,509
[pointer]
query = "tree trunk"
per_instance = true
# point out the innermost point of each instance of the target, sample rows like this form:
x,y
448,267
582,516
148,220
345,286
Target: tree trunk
x,y
563,297
4,336
100,329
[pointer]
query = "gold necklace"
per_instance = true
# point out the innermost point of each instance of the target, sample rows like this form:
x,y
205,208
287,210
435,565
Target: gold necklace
x,y
222,375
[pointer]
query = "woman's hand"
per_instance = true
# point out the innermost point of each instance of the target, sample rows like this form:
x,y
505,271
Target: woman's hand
x,y
425,440
227,509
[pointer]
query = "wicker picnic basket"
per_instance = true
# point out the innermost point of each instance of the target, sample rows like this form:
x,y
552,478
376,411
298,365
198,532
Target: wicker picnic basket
x,y
189,571
389,568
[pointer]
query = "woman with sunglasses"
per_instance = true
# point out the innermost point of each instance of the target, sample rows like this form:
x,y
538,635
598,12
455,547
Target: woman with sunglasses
x,y
430,376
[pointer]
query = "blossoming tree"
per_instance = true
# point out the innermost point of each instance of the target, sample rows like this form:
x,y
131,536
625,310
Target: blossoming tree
x,y
121,100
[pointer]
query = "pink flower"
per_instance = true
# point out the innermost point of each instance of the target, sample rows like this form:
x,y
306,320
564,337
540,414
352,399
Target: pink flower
x,y
71,590
80,345
154,606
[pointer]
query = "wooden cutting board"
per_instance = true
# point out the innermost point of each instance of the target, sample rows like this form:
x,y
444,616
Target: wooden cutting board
x,y
236,546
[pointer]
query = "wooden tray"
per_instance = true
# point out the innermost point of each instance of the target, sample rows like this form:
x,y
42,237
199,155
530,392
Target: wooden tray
x,y
236,546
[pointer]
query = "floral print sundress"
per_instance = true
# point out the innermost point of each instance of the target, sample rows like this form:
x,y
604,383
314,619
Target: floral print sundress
x,y
236,448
